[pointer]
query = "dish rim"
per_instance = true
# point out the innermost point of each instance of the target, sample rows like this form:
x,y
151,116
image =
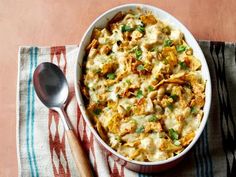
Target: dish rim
x,y
208,86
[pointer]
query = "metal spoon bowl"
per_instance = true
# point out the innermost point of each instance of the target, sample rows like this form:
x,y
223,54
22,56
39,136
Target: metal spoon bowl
x,y
52,89
50,85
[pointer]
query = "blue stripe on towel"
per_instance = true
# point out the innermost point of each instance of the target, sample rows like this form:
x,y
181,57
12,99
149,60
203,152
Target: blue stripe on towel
x,y
28,113
32,114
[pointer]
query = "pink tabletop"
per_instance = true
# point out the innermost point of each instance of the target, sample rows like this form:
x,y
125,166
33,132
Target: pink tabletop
x,y
49,22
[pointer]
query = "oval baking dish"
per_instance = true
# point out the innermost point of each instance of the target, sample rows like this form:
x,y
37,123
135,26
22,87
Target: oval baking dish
x,y
101,22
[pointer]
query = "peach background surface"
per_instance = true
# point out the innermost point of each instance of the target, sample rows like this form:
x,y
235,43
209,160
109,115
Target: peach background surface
x,y
60,22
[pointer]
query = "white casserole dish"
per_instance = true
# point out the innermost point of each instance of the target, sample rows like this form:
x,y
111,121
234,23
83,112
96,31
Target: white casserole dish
x,y
101,21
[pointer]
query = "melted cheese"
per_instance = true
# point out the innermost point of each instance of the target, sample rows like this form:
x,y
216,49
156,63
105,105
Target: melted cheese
x,y
145,90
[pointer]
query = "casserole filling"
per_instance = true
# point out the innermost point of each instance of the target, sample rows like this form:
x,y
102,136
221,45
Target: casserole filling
x,y
143,87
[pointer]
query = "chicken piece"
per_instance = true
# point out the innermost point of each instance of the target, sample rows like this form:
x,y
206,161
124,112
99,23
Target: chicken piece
x,y
153,36
127,127
149,106
153,126
176,35
136,35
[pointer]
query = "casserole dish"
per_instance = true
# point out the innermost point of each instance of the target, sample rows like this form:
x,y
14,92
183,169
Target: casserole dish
x,y
101,22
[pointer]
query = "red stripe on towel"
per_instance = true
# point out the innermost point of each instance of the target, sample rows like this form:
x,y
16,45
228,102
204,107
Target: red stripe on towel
x,y
57,143
58,51
114,172
57,147
88,143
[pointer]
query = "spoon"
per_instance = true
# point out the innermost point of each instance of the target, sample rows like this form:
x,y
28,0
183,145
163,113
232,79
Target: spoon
x,y
52,89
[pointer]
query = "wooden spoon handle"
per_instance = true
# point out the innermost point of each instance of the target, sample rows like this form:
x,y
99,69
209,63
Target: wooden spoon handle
x,y
81,160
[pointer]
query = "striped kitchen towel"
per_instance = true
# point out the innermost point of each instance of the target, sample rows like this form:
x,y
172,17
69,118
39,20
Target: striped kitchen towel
x,y
43,149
